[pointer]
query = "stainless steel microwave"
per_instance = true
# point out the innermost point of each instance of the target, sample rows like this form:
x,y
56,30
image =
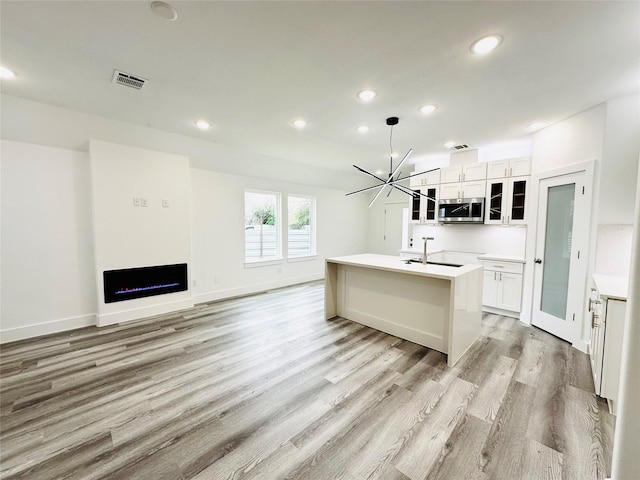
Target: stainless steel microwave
x,y
461,210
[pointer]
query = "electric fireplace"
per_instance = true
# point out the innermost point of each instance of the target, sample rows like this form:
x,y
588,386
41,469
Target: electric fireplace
x,y
130,283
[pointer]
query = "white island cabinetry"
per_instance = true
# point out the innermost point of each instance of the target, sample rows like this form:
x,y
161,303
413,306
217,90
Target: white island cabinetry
x,y
437,306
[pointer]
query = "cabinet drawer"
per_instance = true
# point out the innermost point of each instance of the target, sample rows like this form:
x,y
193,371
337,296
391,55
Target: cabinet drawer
x,y
500,266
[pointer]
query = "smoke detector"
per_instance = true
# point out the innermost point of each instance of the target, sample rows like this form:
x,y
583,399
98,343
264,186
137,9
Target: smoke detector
x,y
128,80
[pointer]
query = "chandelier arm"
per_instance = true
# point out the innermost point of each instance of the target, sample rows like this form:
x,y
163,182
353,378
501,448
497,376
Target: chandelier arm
x,y
403,189
400,164
416,174
377,195
363,190
370,174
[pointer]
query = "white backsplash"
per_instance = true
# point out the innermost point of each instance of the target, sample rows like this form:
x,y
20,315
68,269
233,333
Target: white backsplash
x,y
613,249
471,238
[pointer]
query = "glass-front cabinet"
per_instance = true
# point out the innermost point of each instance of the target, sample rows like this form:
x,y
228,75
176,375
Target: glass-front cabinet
x,y
506,201
424,209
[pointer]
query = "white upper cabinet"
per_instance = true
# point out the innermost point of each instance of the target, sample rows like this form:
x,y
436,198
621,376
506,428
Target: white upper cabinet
x,y
514,167
428,178
451,174
474,171
464,173
463,189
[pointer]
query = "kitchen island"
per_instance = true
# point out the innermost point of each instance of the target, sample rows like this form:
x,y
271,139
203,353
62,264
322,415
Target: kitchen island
x,y
437,306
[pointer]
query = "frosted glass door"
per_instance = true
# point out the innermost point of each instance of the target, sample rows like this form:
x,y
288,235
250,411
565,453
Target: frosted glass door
x,y
559,269
557,250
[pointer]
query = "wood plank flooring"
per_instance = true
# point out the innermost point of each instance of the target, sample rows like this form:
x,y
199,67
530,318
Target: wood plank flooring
x,y
263,387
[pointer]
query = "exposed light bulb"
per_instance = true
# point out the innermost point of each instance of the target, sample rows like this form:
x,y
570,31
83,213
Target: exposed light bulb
x,y
363,129
299,123
203,124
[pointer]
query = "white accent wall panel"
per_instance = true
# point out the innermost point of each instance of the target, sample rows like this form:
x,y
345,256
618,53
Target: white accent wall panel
x,y
131,236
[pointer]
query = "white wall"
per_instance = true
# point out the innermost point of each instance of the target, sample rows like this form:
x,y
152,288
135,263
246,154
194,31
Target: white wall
x,y
618,175
577,139
47,259
128,236
48,279
608,134
218,234
492,239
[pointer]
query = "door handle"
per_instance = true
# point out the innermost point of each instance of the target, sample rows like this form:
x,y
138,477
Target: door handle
x,y
537,260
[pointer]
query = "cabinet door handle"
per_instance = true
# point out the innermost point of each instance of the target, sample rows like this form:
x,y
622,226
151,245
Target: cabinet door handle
x,y
505,171
510,171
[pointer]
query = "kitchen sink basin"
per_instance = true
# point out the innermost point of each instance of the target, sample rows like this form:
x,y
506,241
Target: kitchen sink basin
x,y
413,260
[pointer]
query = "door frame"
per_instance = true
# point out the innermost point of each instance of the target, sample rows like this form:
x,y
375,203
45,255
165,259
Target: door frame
x,y
582,334
403,224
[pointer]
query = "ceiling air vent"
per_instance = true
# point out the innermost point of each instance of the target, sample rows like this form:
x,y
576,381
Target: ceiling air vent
x,y
460,147
128,80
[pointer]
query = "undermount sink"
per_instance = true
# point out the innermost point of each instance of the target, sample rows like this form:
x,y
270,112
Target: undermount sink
x,y
413,260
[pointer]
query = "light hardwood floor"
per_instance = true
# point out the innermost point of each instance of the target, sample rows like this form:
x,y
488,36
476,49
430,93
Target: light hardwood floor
x,y
263,387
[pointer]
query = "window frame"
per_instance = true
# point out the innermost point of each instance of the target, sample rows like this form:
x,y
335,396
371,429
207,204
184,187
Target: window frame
x,y
312,229
278,257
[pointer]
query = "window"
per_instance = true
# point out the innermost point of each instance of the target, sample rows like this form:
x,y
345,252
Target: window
x,y
301,231
261,226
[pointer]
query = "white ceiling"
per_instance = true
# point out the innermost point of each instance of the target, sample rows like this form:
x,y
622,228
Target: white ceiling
x,y
250,68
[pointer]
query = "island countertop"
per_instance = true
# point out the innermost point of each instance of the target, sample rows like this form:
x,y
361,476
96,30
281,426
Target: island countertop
x,y
397,264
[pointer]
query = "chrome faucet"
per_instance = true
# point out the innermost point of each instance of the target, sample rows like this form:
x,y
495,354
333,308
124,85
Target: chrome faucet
x,y
424,257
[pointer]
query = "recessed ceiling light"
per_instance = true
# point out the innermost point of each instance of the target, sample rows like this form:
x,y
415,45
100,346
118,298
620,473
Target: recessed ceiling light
x,y
536,125
366,95
203,125
363,129
427,109
450,144
6,73
486,44
299,123
164,10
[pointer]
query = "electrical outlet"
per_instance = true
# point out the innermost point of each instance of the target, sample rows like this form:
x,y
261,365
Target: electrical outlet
x,y
136,201
143,202
165,203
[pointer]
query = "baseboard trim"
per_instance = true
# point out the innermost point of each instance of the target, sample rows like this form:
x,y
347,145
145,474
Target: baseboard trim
x,y
255,288
581,345
143,312
499,311
47,328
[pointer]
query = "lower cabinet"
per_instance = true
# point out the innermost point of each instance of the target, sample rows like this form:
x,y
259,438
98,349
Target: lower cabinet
x,y
502,286
607,325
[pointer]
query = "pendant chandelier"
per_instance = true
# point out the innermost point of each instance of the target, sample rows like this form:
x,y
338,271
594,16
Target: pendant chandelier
x,y
395,175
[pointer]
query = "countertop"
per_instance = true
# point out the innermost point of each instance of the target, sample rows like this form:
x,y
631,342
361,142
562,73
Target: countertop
x,y
612,286
397,264
501,258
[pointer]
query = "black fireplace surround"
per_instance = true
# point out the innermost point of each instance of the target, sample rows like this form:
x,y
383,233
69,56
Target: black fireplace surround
x,y
130,283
